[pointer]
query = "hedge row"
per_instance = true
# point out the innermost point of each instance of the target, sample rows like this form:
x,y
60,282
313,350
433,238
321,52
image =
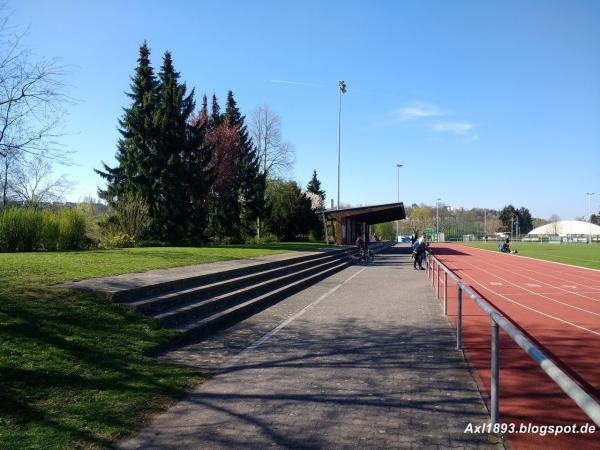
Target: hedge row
x,y
30,229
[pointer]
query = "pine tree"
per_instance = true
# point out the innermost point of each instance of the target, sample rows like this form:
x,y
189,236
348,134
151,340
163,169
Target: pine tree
x,y
250,183
203,116
215,112
176,143
134,149
314,186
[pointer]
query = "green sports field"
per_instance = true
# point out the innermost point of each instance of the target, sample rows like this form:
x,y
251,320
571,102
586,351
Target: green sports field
x,y
582,255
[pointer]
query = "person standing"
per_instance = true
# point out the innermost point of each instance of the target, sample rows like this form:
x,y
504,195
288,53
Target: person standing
x,y
418,253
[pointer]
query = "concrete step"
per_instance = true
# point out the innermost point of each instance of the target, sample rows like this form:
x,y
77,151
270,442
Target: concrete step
x,y
138,293
191,311
156,304
206,325
199,304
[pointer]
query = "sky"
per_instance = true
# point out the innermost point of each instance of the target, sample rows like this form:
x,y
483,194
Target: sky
x,y
484,104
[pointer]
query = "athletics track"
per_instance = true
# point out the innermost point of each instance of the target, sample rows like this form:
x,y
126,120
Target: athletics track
x,y
558,307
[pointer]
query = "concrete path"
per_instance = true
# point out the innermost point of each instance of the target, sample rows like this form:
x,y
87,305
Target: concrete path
x,y
363,359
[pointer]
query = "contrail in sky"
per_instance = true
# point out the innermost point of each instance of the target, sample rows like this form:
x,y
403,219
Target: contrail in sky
x,y
299,83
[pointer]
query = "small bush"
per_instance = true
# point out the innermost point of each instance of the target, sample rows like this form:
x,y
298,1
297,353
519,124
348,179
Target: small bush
x,y
119,240
30,229
20,229
152,243
132,215
71,230
266,238
50,230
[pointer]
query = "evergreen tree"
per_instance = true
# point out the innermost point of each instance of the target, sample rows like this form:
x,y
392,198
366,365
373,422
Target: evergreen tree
x,y
249,183
215,112
525,221
314,186
203,116
134,149
290,215
177,146
507,217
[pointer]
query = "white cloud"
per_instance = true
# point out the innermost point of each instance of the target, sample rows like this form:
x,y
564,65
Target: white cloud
x,y
417,110
459,128
465,130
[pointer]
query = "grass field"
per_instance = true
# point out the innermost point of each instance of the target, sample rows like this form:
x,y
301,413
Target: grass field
x,y
74,370
582,255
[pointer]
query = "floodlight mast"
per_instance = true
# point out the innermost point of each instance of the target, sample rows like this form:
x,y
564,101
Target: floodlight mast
x,y
589,194
437,220
398,221
342,88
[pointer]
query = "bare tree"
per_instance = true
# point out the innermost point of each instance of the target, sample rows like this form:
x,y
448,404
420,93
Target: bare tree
x,y
32,99
276,156
555,227
32,181
8,163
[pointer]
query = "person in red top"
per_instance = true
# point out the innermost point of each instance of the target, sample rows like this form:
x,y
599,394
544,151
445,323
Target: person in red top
x,y
359,245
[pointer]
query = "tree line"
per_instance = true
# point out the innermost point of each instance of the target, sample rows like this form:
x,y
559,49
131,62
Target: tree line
x,y
199,172
457,223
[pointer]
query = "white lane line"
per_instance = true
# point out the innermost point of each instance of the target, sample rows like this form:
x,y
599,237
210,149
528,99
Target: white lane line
x,y
530,277
532,285
512,294
549,270
541,295
257,343
496,283
537,259
531,309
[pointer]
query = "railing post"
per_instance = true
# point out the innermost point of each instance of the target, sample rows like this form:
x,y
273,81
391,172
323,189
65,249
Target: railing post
x,y
495,381
437,291
459,319
427,265
445,293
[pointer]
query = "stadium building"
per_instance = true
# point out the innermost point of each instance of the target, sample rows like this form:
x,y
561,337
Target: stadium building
x,y
566,230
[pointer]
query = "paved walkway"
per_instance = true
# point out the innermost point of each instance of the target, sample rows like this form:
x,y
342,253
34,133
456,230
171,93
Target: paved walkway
x,y
363,359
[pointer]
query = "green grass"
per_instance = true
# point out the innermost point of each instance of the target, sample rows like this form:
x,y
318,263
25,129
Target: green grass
x,y
74,368
582,255
35,268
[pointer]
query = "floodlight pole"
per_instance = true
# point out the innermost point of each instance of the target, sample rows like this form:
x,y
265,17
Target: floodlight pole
x,y
589,194
398,221
512,226
342,87
485,225
437,220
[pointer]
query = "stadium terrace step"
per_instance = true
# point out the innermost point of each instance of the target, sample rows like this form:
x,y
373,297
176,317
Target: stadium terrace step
x,y
173,316
215,277
198,300
238,312
155,304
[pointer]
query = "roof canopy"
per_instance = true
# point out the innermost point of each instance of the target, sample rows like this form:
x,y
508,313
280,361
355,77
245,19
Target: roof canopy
x,y
369,214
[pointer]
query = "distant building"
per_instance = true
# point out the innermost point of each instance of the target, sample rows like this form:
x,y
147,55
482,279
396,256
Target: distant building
x,y
570,229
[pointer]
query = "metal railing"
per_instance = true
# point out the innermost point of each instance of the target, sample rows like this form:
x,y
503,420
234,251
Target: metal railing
x,y
497,320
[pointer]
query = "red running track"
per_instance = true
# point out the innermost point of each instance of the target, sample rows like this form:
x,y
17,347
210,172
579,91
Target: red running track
x,y
558,308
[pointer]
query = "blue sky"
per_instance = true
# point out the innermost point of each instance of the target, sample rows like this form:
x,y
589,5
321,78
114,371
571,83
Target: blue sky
x,y
484,103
